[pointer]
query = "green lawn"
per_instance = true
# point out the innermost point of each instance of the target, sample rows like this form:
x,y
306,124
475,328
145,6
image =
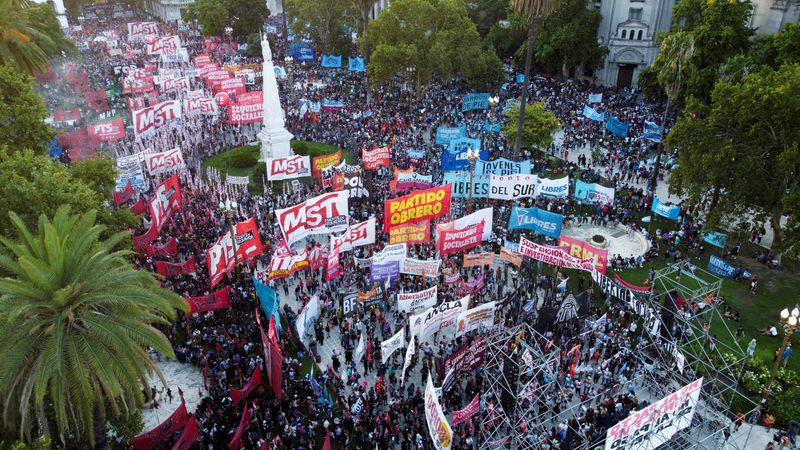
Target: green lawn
x,y
230,161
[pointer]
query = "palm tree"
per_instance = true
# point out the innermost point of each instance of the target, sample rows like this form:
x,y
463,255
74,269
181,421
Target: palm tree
x,y
18,36
76,321
673,65
534,10
365,6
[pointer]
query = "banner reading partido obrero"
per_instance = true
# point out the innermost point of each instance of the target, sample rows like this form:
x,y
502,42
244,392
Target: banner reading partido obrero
x,y
420,205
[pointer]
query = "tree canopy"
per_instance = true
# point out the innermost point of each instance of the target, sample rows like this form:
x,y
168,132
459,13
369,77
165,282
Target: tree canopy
x,y
324,22
22,113
211,14
742,153
243,16
423,38
24,41
537,129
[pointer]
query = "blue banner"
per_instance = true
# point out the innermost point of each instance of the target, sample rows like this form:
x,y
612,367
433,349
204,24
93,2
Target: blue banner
x,y
383,272
279,72
491,127
593,192
537,220
301,51
332,104
331,61
55,148
444,135
454,157
718,266
511,246
671,212
502,166
520,78
415,154
592,114
652,132
356,64
475,101
716,238
269,301
617,127
596,98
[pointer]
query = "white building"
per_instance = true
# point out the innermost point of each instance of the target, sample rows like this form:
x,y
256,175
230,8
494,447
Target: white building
x,y
167,9
770,16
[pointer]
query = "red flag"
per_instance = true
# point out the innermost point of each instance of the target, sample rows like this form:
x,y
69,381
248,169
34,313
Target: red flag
x,y
255,381
189,435
276,361
165,201
236,442
124,195
146,238
168,249
216,300
171,269
327,444
138,208
160,433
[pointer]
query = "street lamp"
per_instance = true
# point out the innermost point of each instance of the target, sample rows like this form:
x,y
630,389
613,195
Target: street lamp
x,y
228,209
789,320
493,101
472,156
288,64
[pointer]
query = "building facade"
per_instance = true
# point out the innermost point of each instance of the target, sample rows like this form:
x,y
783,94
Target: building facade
x,y
167,10
770,16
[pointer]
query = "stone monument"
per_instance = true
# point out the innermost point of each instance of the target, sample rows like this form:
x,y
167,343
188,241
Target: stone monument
x,y
274,136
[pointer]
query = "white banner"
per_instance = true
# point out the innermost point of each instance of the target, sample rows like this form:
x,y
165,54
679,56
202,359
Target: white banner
x,y
361,348
657,423
306,320
412,348
237,181
180,84
164,46
510,187
553,188
323,214
479,317
156,116
394,252
395,342
438,317
137,30
165,162
362,233
289,167
556,256
203,105
484,215
438,428
416,301
430,268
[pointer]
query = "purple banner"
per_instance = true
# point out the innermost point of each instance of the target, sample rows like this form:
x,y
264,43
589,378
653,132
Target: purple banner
x,y
382,272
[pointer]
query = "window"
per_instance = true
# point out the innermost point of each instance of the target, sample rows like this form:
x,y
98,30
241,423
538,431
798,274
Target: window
x,y
624,34
639,36
635,14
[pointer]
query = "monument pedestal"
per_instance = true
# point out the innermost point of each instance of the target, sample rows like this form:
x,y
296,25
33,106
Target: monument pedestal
x,y
275,143
274,136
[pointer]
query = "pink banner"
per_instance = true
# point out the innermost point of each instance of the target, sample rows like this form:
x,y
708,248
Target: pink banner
x,y
469,411
582,250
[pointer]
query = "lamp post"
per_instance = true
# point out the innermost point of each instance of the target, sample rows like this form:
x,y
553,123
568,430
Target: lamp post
x,y
472,156
288,64
493,101
228,209
789,320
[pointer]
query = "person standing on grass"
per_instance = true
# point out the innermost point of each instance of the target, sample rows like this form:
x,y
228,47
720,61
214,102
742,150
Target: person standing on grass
x,y
787,353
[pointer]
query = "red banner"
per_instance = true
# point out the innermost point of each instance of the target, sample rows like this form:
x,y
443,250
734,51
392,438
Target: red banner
x,y
170,270
320,162
97,99
216,300
61,115
168,249
188,436
239,114
332,268
202,105
139,208
419,233
377,157
146,238
250,98
255,380
417,206
108,131
233,86
220,256
583,250
460,239
276,361
138,85
317,256
283,266
165,201
236,441
124,195
631,286
174,422
554,255
469,411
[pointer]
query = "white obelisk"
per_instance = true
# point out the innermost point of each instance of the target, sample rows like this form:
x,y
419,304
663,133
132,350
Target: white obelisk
x,y
274,136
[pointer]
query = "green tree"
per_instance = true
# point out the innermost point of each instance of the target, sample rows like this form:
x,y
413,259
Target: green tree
x,y
20,37
211,14
754,157
568,38
22,113
486,71
776,49
38,185
77,322
487,13
247,16
44,17
673,65
365,7
324,22
424,39
537,131
507,38
534,11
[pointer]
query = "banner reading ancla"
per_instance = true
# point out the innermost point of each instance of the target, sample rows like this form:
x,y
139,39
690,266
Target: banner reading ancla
x,y
438,428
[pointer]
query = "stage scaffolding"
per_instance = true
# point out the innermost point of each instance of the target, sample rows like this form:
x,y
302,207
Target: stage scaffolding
x,y
521,384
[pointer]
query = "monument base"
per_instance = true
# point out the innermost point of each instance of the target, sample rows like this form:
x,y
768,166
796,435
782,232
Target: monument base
x,y
275,143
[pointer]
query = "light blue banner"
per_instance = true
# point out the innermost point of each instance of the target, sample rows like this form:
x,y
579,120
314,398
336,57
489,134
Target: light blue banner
x,y
592,114
520,78
617,127
331,61
670,212
356,64
511,246
537,220
596,98
444,135
460,182
454,157
415,154
269,301
652,132
502,166
716,238
718,266
491,127
593,192
332,104
475,101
